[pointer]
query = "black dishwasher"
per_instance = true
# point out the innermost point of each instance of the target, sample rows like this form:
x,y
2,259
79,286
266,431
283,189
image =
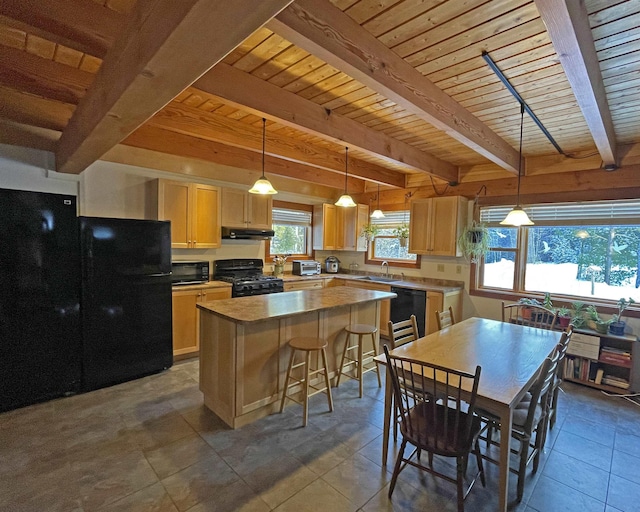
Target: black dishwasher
x,y
409,302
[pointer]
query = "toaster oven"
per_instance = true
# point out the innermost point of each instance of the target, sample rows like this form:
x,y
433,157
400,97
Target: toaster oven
x,y
305,267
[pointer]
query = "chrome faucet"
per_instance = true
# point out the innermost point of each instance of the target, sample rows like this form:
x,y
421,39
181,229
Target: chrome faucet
x,y
382,265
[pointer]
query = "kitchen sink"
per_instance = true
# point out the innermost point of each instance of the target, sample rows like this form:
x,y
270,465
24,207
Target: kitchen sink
x,y
380,279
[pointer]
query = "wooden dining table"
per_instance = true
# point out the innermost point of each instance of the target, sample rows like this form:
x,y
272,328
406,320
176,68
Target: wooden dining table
x,y
510,356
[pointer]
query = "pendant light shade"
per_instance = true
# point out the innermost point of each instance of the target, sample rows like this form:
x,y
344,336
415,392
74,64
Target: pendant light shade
x,y
517,216
345,199
263,185
377,213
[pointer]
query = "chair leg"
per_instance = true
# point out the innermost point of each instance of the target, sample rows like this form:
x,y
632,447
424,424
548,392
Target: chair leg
x,y
326,379
344,355
524,448
396,468
305,404
375,353
460,471
286,380
480,464
360,365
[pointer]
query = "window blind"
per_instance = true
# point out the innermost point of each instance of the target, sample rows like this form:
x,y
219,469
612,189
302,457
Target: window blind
x,y
392,219
624,212
286,216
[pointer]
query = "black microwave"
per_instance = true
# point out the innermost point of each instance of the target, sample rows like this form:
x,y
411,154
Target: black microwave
x,y
189,272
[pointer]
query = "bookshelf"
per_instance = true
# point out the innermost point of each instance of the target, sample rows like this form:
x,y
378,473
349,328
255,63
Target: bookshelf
x,y
602,361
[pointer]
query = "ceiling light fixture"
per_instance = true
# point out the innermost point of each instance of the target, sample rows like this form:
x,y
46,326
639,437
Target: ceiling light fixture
x,y
345,199
263,185
517,216
377,213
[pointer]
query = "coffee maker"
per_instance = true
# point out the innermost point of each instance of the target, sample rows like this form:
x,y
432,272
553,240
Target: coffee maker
x,y
332,265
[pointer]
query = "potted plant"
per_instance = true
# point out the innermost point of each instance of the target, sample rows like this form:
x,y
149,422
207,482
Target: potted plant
x,y
402,233
617,326
595,322
564,317
577,313
526,312
369,232
474,242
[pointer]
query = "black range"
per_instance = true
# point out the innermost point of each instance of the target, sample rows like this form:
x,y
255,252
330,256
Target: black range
x,y
246,277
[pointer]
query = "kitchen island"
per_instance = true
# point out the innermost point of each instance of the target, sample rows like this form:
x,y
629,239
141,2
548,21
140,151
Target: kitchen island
x,y
243,343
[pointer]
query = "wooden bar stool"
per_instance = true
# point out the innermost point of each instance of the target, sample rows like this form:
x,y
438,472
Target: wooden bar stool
x,y
358,363
307,345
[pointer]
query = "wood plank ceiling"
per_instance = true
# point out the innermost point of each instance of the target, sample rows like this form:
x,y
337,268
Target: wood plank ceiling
x,y
402,83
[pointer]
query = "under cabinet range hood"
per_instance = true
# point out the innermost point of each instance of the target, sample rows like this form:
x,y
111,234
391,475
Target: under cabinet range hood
x,y
246,234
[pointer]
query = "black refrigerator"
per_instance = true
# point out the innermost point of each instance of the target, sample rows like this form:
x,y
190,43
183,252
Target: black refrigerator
x,y
125,299
40,333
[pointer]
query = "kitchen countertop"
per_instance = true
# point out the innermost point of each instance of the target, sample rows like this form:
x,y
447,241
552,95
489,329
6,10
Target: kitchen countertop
x,y
279,305
198,286
414,283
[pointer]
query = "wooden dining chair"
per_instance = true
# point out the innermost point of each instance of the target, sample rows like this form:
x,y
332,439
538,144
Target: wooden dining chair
x,y
445,318
531,315
445,428
561,349
529,423
403,332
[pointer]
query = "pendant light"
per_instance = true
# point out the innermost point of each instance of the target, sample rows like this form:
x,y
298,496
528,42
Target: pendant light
x,y
517,216
263,185
377,213
345,199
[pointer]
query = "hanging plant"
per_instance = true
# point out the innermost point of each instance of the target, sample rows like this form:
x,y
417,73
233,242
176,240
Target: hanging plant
x,y
369,232
474,242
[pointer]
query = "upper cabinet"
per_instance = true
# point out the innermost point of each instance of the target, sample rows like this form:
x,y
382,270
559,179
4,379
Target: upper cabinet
x,y
336,228
243,210
436,224
194,212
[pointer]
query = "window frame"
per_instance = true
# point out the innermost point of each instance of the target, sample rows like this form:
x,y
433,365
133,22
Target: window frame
x,y
369,259
308,255
607,306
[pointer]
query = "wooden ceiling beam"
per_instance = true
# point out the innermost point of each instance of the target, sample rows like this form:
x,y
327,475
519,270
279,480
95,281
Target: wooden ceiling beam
x,y
19,134
34,110
183,119
567,23
331,35
84,26
155,58
158,139
28,73
259,97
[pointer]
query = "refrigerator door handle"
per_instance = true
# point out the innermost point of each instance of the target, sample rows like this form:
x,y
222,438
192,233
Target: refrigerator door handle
x,y
160,274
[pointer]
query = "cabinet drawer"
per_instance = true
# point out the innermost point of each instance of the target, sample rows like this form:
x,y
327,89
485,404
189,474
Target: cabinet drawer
x,y
302,285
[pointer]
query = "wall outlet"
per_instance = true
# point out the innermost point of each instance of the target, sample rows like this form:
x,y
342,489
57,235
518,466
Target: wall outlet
x,y
458,269
440,267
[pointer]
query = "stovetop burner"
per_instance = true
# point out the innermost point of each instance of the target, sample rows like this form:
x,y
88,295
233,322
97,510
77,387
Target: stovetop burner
x,y
246,277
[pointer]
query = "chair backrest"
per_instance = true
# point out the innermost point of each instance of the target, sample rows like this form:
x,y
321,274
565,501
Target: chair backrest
x,y
530,315
445,318
403,332
441,426
540,391
561,349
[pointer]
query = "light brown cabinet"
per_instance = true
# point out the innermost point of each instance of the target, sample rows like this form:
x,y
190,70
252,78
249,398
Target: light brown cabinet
x,y
336,228
194,212
186,317
243,210
306,284
436,224
385,305
440,301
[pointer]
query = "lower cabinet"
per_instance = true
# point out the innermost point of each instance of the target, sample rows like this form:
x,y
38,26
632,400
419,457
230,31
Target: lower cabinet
x,y
307,284
186,317
439,301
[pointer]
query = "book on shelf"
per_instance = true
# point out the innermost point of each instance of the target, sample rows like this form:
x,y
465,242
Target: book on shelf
x,y
599,375
618,359
617,382
618,351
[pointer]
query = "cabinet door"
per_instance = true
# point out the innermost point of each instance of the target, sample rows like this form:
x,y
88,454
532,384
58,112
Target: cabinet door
x,y
215,294
206,218
234,208
350,222
185,322
260,211
444,226
362,219
174,204
419,226
324,227
435,302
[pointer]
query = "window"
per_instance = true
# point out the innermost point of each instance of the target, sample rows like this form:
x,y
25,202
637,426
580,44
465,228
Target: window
x,y
292,227
387,246
586,250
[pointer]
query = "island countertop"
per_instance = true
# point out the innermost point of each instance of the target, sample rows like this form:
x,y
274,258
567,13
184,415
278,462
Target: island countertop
x,y
286,304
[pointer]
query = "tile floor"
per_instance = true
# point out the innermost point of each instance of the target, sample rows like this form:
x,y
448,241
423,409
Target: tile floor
x,y
150,445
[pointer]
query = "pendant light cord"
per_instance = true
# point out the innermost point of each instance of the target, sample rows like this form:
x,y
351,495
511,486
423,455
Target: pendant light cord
x,y
346,159
520,152
264,129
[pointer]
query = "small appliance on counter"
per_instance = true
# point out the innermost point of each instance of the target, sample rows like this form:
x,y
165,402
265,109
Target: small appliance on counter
x,y
189,272
305,268
332,265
